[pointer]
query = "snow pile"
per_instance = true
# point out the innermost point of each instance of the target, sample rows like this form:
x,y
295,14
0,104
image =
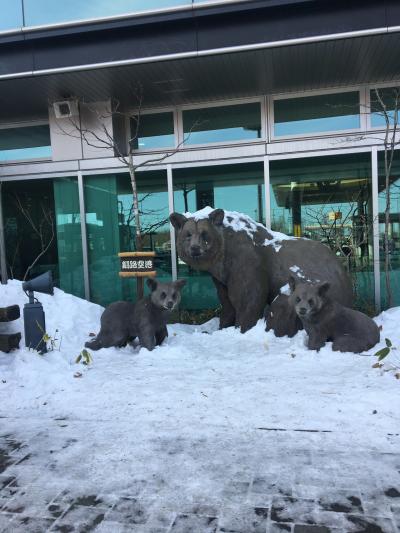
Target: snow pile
x,y
241,222
204,395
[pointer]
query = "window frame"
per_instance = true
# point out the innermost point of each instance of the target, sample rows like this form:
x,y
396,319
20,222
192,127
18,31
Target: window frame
x,y
368,89
154,111
332,133
27,124
189,107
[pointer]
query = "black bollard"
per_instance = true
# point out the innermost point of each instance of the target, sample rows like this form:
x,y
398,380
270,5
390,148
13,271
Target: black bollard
x,y
34,320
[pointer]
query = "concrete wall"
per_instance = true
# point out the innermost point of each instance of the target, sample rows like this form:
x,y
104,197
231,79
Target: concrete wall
x,y
95,123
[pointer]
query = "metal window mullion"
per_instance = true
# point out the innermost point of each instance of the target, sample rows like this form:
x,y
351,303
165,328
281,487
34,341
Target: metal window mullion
x,y
375,228
171,228
263,108
364,109
85,258
3,259
179,127
267,192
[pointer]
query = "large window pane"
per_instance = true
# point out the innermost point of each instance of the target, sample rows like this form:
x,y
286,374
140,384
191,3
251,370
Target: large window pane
x,y
50,11
316,114
11,14
329,199
384,100
155,131
232,187
222,124
42,231
111,229
393,230
29,142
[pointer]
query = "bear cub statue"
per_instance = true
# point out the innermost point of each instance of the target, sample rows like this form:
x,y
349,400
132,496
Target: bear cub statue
x,y
326,320
122,322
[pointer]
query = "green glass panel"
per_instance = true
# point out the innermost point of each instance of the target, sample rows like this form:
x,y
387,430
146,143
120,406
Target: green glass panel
x,y
393,230
111,229
231,187
316,114
42,231
222,124
329,199
155,131
29,227
69,239
384,100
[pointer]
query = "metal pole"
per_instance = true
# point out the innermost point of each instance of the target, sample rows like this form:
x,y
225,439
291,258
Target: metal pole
x,y
267,193
171,228
84,236
3,260
375,227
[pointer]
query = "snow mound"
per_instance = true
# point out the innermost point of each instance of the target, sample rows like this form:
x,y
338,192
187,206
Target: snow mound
x,y
200,381
241,222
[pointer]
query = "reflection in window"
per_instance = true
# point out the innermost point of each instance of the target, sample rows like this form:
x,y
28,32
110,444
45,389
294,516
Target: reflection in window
x,y
329,199
29,142
222,124
393,229
50,11
50,237
232,187
383,101
111,229
11,14
316,114
155,131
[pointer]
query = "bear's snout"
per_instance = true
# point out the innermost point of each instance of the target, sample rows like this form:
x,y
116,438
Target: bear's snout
x,y
195,250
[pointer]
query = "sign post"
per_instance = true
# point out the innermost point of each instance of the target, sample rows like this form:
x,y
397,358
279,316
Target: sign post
x,y
137,265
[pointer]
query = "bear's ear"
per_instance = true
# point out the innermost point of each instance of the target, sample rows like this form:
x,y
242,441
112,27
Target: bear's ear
x,y
177,220
152,284
217,217
292,283
323,288
180,283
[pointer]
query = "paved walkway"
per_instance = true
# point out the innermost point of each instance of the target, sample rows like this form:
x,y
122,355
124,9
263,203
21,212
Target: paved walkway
x,y
288,492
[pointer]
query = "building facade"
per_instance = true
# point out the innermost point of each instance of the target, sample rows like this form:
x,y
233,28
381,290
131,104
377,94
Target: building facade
x,y
267,107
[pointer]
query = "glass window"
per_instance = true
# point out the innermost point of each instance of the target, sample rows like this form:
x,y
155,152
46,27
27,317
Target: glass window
x,y
222,124
329,199
388,98
50,11
111,229
232,187
11,14
393,230
28,142
316,114
155,131
43,231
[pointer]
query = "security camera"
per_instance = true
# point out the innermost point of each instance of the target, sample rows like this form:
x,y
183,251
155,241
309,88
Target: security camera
x,y
66,108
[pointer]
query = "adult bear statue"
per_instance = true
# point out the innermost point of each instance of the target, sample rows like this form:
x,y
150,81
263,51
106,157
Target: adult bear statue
x,y
250,264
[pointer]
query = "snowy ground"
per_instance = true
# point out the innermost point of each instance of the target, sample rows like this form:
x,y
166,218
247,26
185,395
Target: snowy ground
x,y
199,433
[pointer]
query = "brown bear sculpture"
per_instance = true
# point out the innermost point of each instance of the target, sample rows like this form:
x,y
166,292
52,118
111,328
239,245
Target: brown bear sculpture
x,y
249,264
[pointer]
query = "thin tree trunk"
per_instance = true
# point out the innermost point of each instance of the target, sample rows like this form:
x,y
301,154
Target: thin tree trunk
x,y
139,280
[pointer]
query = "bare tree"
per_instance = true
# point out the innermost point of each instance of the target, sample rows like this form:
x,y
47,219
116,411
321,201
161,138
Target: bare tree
x,y
385,103
390,142
102,137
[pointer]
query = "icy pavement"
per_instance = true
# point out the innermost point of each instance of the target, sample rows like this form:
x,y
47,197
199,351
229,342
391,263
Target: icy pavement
x,y
212,432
